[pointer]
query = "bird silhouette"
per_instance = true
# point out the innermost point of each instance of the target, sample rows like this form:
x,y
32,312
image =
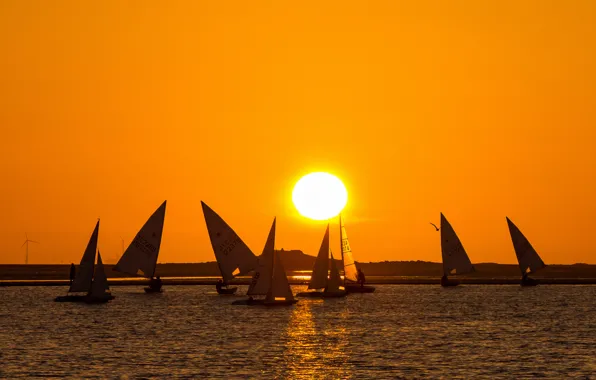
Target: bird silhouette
x,y
435,226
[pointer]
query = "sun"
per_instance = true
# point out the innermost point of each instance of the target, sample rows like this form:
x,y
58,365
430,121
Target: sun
x,y
319,196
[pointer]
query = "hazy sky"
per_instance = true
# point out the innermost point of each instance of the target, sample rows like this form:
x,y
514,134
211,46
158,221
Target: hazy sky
x,y
478,109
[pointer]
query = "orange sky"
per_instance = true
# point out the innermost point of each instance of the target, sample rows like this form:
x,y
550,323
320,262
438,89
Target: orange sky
x,y
478,109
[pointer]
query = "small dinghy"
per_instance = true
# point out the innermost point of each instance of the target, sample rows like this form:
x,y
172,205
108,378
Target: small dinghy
x,y
233,256
90,279
455,258
322,278
350,269
527,257
270,279
140,258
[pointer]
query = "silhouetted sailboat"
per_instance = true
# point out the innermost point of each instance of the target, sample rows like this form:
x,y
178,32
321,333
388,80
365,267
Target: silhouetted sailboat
x,y
140,258
320,277
234,258
85,281
455,258
527,257
100,289
270,278
350,269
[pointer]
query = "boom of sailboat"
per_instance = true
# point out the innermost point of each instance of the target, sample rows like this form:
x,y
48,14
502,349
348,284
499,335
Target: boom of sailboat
x,y
269,285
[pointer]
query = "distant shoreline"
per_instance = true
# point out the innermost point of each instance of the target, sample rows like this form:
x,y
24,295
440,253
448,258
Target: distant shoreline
x,y
298,266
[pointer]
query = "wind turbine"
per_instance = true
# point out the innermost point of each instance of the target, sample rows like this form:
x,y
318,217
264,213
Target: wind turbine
x,y
26,243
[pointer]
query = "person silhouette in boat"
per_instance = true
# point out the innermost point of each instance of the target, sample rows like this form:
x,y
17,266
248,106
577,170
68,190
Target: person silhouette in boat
x,y
73,272
155,284
360,277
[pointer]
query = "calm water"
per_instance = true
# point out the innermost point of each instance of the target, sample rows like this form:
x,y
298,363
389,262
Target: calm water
x,y
399,331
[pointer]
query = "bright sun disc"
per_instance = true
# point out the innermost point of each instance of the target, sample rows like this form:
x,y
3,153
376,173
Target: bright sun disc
x,y
319,196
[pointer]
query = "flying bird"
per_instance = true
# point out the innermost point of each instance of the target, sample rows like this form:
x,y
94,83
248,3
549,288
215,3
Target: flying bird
x,y
435,226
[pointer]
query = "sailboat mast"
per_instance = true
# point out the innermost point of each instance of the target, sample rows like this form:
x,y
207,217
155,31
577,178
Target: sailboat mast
x,y
341,248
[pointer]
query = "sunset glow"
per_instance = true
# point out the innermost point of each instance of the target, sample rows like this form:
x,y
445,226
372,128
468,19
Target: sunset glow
x,y
319,196
480,110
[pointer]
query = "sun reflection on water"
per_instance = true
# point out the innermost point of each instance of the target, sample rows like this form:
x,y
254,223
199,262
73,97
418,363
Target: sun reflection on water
x,y
316,344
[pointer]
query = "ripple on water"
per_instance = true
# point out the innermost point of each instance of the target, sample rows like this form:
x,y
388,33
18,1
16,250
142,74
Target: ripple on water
x,y
399,331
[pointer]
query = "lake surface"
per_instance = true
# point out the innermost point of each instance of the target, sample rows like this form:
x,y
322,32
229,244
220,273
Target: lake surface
x,y
400,331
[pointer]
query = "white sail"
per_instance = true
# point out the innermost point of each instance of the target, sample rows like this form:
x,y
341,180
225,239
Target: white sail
x,y
84,274
100,281
528,258
233,256
318,279
455,258
280,287
334,283
350,270
261,280
140,258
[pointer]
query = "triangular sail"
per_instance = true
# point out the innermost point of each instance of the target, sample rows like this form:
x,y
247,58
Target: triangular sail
x,y
100,281
140,258
455,258
233,256
334,282
84,274
280,287
350,270
261,280
528,258
318,279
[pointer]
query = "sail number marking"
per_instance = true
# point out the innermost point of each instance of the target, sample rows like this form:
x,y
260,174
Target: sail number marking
x,y
144,246
228,245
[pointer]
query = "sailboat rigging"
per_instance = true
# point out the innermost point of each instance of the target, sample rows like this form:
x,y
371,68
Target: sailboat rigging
x,y
455,258
140,258
527,257
90,278
320,277
270,278
233,256
350,269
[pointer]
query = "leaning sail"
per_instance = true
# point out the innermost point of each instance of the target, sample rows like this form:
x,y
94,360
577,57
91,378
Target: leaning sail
x,y
334,283
140,258
455,258
528,258
84,275
100,281
233,256
261,280
280,287
350,270
318,279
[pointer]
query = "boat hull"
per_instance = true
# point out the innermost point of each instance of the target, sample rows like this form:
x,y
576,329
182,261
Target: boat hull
x,y
151,290
227,290
359,289
528,282
447,283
